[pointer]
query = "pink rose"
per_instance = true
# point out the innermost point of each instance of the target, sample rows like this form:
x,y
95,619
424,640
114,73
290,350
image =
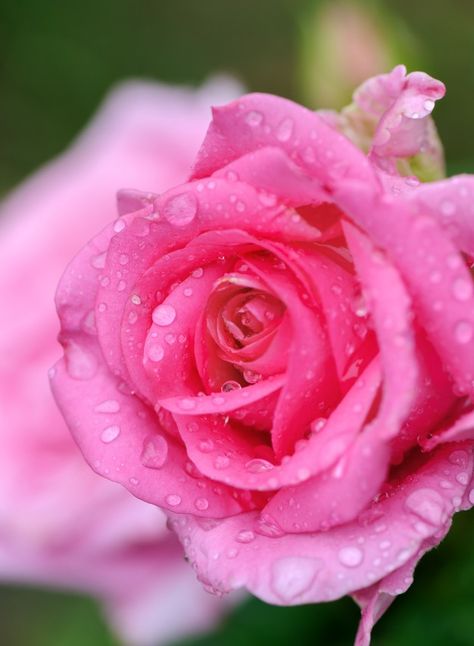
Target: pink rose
x,y
60,523
287,343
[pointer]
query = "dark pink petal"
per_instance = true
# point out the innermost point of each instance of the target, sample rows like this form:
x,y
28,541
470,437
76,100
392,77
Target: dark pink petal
x,y
259,120
431,267
232,456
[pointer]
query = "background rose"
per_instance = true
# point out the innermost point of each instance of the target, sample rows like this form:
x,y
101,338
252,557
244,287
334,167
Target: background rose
x,y
280,336
61,524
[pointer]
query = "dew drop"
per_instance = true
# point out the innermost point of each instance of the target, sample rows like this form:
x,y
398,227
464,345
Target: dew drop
x,y
258,465
427,504
198,273
156,352
228,386
245,536
284,130
108,406
462,289
221,462
463,332
173,500
206,446
201,503
164,315
293,575
155,452
350,556
187,403
181,209
253,118
110,434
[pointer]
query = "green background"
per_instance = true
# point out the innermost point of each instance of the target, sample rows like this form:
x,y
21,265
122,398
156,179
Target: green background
x,y
57,60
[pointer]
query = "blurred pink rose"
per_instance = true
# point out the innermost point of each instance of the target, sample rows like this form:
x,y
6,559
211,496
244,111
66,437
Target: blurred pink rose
x,y
286,342
61,524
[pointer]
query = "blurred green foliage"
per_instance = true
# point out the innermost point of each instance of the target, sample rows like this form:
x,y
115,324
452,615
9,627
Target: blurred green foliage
x,y
57,59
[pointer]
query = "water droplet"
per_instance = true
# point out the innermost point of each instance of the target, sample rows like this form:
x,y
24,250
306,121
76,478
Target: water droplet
x,y
258,465
134,481
135,298
253,118
187,291
427,504
164,315
156,352
201,503
206,446
458,457
462,289
284,130
119,225
108,406
447,208
251,377
110,434
227,386
318,424
198,273
462,478
245,536
181,209
293,575
98,262
80,364
350,556
221,462
429,104
123,259
155,452
173,500
187,403
463,332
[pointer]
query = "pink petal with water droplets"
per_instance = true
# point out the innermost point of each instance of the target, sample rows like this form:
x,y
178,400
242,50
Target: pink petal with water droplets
x,y
259,120
451,203
307,568
418,247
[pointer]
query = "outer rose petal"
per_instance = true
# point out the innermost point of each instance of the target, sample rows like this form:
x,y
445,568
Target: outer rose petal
x,y
75,529
307,568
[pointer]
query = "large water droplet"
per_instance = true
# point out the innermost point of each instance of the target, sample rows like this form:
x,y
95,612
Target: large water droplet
x,y
463,332
156,352
110,434
201,503
350,556
284,130
181,209
164,315
258,465
155,452
293,575
462,289
245,536
108,406
253,118
80,363
427,504
173,500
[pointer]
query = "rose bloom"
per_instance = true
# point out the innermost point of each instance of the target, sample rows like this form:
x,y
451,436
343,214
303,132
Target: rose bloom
x,y
60,523
279,352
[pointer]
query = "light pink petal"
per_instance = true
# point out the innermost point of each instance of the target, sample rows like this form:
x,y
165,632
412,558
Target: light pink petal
x,y
113,443
451,203
307,568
